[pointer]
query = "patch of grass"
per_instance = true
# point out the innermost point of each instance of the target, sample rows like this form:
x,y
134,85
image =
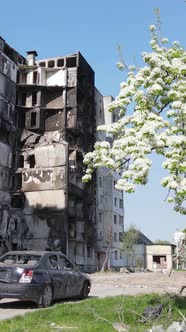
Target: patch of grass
x,y
95,315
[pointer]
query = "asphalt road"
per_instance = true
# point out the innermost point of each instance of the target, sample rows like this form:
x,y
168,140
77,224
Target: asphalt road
x,y
110,284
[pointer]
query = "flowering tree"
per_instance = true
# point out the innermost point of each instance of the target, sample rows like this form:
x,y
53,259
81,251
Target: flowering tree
x,y
152,119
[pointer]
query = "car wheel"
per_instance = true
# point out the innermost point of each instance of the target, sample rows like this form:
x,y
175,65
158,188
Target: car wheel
x,y
46,297
85,290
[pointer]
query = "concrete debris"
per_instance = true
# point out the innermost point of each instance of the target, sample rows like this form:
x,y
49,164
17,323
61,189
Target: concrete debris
x,y
174,327
133,269
124,270
120,327
63,327
153,311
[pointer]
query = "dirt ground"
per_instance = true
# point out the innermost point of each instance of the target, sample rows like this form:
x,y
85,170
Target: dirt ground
x,y
105,284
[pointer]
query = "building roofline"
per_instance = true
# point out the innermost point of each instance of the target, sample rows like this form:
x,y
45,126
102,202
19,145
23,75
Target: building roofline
x,y
32,52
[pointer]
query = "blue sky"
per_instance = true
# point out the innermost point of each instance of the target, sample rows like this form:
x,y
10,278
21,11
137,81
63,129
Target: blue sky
x,y
95,28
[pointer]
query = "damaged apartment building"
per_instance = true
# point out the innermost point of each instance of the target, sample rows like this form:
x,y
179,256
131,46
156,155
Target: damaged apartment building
x,y
47,125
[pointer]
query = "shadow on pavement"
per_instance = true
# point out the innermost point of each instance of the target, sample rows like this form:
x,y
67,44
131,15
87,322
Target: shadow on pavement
x,y
16,304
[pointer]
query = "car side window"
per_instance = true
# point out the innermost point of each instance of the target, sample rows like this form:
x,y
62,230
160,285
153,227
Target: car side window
x,y
53,262
64,263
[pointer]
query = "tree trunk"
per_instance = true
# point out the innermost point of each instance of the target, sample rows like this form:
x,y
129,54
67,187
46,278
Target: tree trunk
x,y
105,260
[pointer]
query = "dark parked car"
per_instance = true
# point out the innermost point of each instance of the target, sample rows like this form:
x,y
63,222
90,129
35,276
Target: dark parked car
x,y
41,277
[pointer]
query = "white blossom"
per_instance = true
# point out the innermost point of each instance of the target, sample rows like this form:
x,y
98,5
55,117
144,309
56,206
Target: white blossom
x,y
164,40
155,88
152,27
86,177
156,93
170,200
170,113
177,104
176,43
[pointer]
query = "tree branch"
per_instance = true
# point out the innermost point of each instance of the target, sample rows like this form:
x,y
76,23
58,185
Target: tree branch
x,y
123,163
163,108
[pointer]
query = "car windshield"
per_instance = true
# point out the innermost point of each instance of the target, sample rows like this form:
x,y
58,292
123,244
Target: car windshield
x,y
20,259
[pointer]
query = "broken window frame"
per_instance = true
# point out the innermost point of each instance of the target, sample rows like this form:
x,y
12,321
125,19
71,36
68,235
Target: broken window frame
x,y
24,99
31,160
17,202
71,62
116,255
34,98
51,64
33,119
60,62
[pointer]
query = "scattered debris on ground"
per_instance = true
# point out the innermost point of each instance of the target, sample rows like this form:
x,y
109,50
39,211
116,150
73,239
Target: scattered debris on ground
x,y
127,283
152,312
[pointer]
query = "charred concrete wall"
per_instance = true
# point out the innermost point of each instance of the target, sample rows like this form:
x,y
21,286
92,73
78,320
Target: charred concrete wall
x,y
11,221
44,183
80,133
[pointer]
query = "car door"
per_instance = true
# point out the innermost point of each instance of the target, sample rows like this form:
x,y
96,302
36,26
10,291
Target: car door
x,y
72,279
58,280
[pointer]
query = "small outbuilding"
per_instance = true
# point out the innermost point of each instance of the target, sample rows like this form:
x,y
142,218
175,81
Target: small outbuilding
x,y
159,256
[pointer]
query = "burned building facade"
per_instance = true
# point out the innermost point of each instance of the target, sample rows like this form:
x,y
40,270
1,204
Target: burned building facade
x,y
11,221
49,122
